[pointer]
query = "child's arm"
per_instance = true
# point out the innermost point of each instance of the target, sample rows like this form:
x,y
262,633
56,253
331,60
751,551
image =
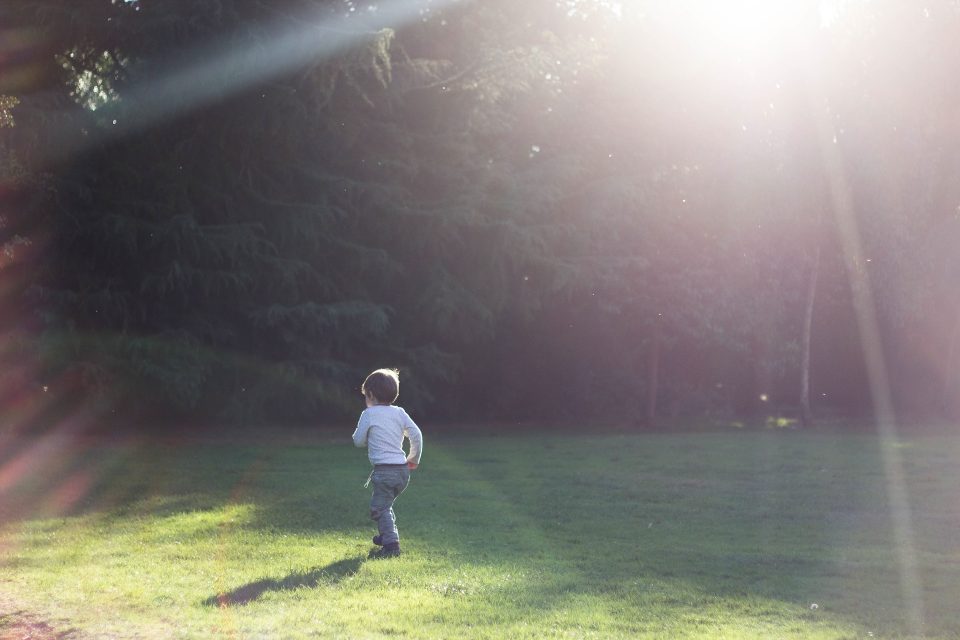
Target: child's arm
x,y
412,431
362,430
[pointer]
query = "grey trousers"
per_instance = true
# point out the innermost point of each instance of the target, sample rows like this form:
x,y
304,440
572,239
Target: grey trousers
x,y
389,481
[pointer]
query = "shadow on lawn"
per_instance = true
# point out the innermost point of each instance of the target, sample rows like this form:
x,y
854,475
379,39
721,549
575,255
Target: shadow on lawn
x,y
22,624
330,574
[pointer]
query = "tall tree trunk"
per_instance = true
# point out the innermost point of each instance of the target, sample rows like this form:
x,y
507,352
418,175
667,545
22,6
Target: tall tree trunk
x,y
759,406
948,401
806,414
653,373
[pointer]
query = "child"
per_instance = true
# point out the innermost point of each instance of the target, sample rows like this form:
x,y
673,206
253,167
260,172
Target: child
x,y
381,429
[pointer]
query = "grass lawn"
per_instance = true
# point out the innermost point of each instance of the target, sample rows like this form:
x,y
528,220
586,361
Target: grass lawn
x,y
710,535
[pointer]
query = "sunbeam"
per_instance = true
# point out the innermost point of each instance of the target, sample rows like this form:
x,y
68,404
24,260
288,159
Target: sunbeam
x,y
841,204
203,76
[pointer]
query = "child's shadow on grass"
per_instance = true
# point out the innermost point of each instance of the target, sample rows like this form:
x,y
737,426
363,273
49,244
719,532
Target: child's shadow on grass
x,y
330,574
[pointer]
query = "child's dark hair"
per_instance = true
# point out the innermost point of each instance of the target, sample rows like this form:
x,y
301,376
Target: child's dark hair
x,y
383,385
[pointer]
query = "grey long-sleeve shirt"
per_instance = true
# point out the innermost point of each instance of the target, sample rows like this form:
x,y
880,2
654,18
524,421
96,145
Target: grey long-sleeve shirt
x,y
381,429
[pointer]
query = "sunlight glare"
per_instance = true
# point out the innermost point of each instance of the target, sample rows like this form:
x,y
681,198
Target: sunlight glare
x,y
744,24
747,27
829,14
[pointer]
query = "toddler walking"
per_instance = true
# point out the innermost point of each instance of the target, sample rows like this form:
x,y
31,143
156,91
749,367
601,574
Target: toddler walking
x,y
382,428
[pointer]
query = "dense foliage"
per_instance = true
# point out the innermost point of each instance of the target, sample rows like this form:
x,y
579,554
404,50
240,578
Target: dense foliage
x,y
535,210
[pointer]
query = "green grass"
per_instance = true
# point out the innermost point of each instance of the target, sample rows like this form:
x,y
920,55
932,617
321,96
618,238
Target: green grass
x,y
720,535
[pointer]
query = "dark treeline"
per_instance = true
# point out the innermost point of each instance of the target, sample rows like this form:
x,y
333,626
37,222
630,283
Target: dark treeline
x,y
233,209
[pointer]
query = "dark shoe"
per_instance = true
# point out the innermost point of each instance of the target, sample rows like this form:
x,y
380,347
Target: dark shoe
x,y
378,540
391,550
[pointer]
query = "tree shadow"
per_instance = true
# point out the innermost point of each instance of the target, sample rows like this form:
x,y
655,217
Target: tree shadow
x,y
23,624
331,574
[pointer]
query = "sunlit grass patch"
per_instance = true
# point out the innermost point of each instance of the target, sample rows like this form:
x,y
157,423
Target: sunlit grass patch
x,y
722,535
781,422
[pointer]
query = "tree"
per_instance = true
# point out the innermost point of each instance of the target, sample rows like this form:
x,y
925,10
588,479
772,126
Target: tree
x,y
236,252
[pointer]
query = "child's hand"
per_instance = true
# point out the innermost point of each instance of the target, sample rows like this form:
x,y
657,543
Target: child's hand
x,y
411,465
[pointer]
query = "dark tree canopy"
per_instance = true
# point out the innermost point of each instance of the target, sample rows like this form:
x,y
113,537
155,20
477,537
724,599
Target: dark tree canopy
x,y
236,209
